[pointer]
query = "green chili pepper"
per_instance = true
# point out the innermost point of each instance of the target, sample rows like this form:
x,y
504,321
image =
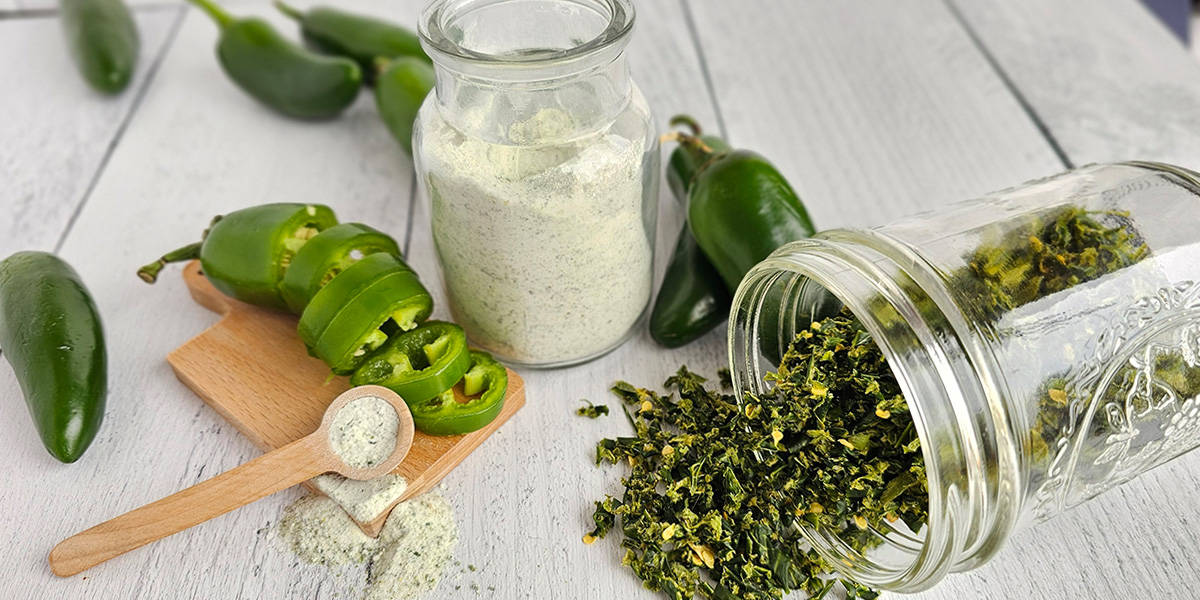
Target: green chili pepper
x,y
693,298
399,92
342,323
327,254
103,40
50,332
280,73
740,208
484,386
246,252
420,364
360,37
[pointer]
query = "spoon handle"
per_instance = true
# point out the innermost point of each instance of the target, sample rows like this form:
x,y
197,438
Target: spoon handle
x,y
279,469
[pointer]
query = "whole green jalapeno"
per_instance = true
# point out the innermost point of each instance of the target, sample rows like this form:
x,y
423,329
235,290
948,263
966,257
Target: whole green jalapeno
x,y
279,73
246,253
363,38
402,86
103,40
693,299
50,333
328,253
740,209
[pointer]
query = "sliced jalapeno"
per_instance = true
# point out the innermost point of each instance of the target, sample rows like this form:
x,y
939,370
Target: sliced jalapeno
x,y
326,255
342,324
483,389
246,252
419,364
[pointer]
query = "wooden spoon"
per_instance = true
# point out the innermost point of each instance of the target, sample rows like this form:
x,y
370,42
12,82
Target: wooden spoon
x,y
279,469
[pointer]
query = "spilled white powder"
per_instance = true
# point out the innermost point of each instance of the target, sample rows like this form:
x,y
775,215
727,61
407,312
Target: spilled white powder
x,y
545,243
364,500
406,561
363,433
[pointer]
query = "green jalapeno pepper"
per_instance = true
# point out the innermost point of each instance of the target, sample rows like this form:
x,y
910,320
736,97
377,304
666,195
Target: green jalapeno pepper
x,y
740,209
327,254
419,364
693,299
343,322
279,73
399,92
246,252
50,333
483,386
103,40
360,37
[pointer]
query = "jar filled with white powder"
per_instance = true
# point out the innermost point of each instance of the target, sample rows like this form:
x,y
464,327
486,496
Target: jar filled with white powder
x,y
537,158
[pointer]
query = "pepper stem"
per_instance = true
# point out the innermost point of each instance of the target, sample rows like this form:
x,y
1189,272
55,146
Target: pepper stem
x,y
217,13
381,64
687,121
688,140
149,273
289,10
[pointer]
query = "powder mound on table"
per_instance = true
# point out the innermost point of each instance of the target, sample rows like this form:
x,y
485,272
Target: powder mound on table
x,y
406,561
364,500
363,433
314,527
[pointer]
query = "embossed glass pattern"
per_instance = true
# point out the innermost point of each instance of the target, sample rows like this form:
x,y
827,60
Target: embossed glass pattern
x,y
1039,374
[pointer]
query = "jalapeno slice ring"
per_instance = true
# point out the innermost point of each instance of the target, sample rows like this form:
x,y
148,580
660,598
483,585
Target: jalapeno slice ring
x,y
327,254
342,324
418,364
483,386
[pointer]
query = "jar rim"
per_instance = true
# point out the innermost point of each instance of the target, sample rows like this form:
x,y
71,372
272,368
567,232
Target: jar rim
x,y
928,363
436,31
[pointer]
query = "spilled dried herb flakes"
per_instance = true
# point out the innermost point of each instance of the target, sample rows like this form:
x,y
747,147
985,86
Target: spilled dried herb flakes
x,y
715,488
592,411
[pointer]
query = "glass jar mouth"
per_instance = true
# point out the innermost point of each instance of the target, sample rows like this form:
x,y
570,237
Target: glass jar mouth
x,y
536,32
966,515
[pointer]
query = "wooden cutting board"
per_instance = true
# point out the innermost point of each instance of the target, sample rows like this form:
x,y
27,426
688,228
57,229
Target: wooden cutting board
x,y
252,368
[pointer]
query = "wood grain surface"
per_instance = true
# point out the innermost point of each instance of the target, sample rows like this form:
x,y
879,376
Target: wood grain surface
x,y
873,109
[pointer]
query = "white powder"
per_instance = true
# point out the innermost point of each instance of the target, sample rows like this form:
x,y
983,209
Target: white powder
x,y
407,559
544,246
364,500
313,527
363,432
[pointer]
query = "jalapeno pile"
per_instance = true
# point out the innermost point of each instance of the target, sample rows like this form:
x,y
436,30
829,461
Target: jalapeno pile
x,y
362,309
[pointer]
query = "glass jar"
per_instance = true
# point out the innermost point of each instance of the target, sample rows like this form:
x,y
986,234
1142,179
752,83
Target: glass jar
x,y
1046,338
538,160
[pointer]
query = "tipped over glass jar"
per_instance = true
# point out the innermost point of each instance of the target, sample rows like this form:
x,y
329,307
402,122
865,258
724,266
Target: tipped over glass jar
x,y
1046,339
539,163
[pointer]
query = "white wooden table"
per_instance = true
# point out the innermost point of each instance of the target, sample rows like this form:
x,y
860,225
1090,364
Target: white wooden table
x,y
873,109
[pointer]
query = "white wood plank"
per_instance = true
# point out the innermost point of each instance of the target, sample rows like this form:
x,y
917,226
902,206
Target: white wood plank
x,y
43,5
1105,76
873,109
197,147
56,130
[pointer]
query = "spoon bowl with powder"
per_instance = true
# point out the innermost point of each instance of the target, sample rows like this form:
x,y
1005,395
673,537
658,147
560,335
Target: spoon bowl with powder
x,y
366,433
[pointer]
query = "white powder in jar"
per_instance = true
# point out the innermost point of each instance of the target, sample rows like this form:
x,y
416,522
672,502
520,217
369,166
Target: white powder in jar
x,y
364,432
544,246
